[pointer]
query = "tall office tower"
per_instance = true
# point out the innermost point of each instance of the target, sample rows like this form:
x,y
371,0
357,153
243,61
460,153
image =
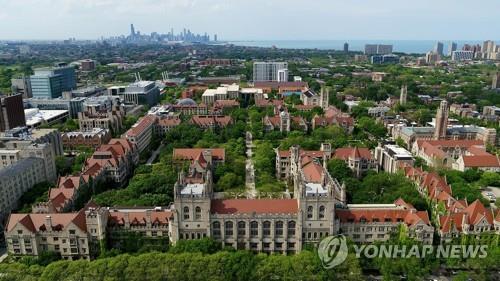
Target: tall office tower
x,y
49,83
11,112
215,37
441,121
371,49
270,71
496,81
452,47
404,95
384,49
438,48
132,30
346,47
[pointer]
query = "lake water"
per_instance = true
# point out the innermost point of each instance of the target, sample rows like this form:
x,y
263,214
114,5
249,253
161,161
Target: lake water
x,y
400,46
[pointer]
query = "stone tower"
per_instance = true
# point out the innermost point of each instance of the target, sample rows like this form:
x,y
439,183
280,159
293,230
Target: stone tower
x,y
441,121
404,95
324,97
284,121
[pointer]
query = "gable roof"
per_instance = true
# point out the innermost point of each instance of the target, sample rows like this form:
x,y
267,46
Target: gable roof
x,y
258,206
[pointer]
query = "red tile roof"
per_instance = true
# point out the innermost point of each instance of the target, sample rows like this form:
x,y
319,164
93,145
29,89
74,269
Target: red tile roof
x,y
169,122
481,161
36,222
139,217
192,153
145,123
410,217
258,206
345,152
211,120
313,172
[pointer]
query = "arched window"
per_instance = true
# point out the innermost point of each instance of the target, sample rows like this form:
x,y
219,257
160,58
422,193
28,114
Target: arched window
x,y
186,213
291,228
197,213
254,229
216,229
266,228
278,228
321,212
242,228
229,228
309,212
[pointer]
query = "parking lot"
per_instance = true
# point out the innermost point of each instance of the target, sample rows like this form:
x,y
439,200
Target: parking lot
x,y
494,190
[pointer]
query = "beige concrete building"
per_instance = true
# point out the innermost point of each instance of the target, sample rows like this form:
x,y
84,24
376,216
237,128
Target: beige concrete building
x,y
101,112
18,178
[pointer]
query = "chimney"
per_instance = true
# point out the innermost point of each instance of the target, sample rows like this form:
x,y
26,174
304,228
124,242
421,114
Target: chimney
x,y
148,217
48,223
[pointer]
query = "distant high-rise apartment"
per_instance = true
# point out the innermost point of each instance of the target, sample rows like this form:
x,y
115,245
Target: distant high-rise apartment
x,y
431,58
462,55
451,48
346,47
378,49
51,82
11,112
489,46
270,71
438,48
384,49
496,81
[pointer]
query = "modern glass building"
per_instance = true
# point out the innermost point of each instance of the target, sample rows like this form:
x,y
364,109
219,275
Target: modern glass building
x,y
49,83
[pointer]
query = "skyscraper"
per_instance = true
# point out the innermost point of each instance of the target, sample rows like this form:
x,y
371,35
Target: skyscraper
x,y
346,47
451,48
270,71
132,30
438,48
11,112
441,121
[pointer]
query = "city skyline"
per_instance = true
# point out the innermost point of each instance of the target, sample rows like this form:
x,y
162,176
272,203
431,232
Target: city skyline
x,y
62,19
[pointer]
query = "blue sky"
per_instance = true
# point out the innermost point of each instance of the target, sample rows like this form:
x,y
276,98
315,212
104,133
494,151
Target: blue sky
x,y
254,19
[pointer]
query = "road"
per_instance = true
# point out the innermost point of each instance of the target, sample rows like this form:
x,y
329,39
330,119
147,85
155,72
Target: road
x,y
251,192
154,155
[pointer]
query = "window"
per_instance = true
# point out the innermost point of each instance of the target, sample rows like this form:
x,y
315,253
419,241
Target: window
x,y
186,213
72,232
241,228
380,235
216,229
278,228
266,228
254,228
291,228
368,236
197,213
229,228
309,212
321,212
